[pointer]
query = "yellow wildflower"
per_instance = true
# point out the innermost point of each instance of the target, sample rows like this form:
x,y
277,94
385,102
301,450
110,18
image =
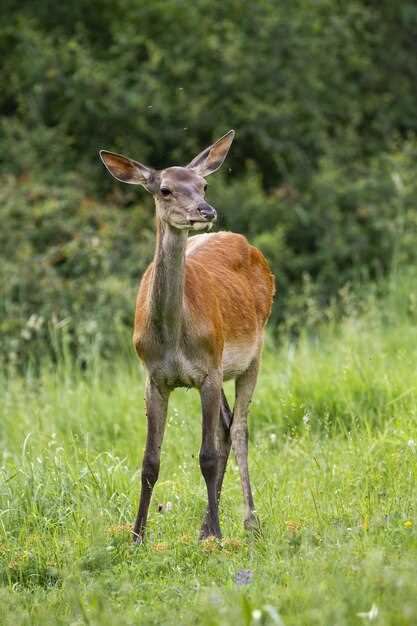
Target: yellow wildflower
x,y
232,544
118,529
210,544
160,547
293,527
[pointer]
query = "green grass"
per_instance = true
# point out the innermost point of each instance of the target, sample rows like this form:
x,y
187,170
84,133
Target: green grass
x,y
334,468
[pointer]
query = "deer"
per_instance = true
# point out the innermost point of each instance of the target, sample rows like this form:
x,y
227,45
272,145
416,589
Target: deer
x,y
201,310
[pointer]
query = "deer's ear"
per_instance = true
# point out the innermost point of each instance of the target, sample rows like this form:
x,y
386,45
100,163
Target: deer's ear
x,y
127,170
211,159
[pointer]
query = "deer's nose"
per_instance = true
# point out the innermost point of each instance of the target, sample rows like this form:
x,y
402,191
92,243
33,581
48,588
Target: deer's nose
x,y
207,211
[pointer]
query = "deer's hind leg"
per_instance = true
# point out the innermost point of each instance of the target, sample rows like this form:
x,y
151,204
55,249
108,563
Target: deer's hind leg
x,y
210,393
245,386
223,450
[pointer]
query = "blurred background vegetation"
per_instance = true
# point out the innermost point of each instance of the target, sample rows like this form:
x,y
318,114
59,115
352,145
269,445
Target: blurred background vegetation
x,y
323,96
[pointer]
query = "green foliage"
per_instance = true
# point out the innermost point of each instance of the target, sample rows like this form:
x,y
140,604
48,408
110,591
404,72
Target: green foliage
x,y
71,265
333,464
159,80
354,224
69,270
321,175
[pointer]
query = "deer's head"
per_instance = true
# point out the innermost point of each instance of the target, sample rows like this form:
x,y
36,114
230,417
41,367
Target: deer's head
x,y
179,192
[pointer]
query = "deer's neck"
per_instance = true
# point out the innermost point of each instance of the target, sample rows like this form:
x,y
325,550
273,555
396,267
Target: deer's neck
x,y
166,298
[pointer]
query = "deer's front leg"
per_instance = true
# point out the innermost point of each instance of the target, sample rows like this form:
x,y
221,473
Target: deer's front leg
x,y
156,411
210,403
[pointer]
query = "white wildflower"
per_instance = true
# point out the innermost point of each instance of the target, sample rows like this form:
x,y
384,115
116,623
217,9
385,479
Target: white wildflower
x,y
370,615
398,183
274,615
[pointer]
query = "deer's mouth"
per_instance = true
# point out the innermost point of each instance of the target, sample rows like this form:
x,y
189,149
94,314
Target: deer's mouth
x,y
200,224
195,222
193,225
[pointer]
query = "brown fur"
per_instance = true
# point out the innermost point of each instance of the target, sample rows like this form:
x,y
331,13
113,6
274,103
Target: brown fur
x,y
228,289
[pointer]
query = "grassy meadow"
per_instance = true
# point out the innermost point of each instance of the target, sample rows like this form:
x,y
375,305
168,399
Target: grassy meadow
x,y
333,459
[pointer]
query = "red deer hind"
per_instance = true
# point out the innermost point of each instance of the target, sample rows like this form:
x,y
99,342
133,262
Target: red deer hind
x,y
201,311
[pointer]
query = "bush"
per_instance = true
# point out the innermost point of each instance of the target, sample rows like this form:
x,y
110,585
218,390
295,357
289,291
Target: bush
x,y
70,265
321,176
69,268
355,224
160,80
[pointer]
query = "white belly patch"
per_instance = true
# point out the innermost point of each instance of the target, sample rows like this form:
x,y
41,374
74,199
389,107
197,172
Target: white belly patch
x,y
237,358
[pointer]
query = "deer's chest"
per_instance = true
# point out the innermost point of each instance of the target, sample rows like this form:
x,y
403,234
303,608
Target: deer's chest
x,y
173,365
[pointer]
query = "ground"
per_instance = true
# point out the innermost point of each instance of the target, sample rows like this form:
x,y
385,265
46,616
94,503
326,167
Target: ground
x,y
333,458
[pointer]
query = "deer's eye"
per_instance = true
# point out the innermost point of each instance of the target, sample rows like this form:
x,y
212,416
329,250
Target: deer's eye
x,y
165,192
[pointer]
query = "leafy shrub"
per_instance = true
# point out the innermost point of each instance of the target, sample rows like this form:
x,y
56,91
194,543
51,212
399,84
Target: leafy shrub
x,y
71,264
354,224
69,268
321,176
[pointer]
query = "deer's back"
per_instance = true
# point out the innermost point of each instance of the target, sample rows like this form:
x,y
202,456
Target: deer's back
x,y
223,267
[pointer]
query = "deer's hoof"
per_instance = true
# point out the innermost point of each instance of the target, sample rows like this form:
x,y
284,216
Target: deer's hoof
x,y
252,524
138,538
208,533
